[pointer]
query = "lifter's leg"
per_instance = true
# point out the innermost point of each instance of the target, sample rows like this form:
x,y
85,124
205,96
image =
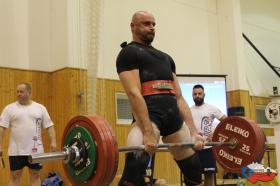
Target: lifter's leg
x,y
209,178
134,169
209,166
136,163
186,158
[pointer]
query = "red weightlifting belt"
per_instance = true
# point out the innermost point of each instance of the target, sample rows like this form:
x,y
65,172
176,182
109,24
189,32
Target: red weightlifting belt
x,y
157,87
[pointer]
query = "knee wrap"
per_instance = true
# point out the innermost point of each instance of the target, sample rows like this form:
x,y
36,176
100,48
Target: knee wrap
x,y
134,169
191,168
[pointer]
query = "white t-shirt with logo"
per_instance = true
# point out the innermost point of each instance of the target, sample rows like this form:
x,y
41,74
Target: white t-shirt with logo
x,y
25,123
204,118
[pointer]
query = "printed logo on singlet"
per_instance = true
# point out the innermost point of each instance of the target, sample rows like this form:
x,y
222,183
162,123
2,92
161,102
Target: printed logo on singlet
x,y
206,125
37,136
38,129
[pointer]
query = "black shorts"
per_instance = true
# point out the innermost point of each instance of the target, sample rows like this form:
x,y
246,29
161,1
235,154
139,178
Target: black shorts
x,y
207,160
19,162
164,112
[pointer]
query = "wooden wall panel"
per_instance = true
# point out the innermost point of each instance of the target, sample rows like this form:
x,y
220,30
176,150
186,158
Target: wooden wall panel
x,y
240,98
58,91
165,167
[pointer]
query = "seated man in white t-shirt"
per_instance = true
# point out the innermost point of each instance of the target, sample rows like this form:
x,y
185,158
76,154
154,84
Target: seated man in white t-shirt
x,y
25,118
204,115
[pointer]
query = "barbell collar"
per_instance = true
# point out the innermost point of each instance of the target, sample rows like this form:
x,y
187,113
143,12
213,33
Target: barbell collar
x,y
74,154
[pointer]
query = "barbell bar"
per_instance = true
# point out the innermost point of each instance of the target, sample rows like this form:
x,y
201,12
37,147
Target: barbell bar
x,y
90,150
166,146
70,154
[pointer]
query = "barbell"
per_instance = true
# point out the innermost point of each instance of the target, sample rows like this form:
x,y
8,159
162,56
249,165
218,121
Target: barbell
x,y
90,151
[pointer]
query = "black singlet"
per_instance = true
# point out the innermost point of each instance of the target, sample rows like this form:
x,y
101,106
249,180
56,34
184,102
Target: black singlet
x,y
153,65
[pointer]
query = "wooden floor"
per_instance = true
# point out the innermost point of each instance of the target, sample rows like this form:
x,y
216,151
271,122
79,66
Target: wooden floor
x,y
227,182
162,182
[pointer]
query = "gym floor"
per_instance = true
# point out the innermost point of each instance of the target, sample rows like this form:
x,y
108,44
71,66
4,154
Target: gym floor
x,y
220,182
162,182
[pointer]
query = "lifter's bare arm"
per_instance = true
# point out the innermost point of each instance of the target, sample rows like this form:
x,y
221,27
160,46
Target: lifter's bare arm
x,y
132,85
185,113
52,136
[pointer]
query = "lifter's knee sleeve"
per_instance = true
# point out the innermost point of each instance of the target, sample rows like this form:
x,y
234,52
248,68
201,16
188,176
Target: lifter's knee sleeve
x,y
192,170
134,169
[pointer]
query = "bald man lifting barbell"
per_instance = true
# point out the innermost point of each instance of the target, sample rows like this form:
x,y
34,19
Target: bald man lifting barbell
x,y
149,79
148,76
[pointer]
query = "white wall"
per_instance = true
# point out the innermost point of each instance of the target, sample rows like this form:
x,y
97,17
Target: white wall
x,y
33,34
231,45
203,36
39,34
261,23
14,34
186,29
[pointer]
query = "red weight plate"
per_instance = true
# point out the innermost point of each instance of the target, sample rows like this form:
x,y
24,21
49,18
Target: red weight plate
x,y
262,151
260,141
102,123
112,149
245,152
108,144
115,151
102,154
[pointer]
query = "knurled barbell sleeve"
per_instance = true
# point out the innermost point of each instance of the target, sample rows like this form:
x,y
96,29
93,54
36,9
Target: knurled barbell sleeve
x,y
50,156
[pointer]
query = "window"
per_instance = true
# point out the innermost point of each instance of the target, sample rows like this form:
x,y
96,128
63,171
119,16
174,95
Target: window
x,y
123,109
260,115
